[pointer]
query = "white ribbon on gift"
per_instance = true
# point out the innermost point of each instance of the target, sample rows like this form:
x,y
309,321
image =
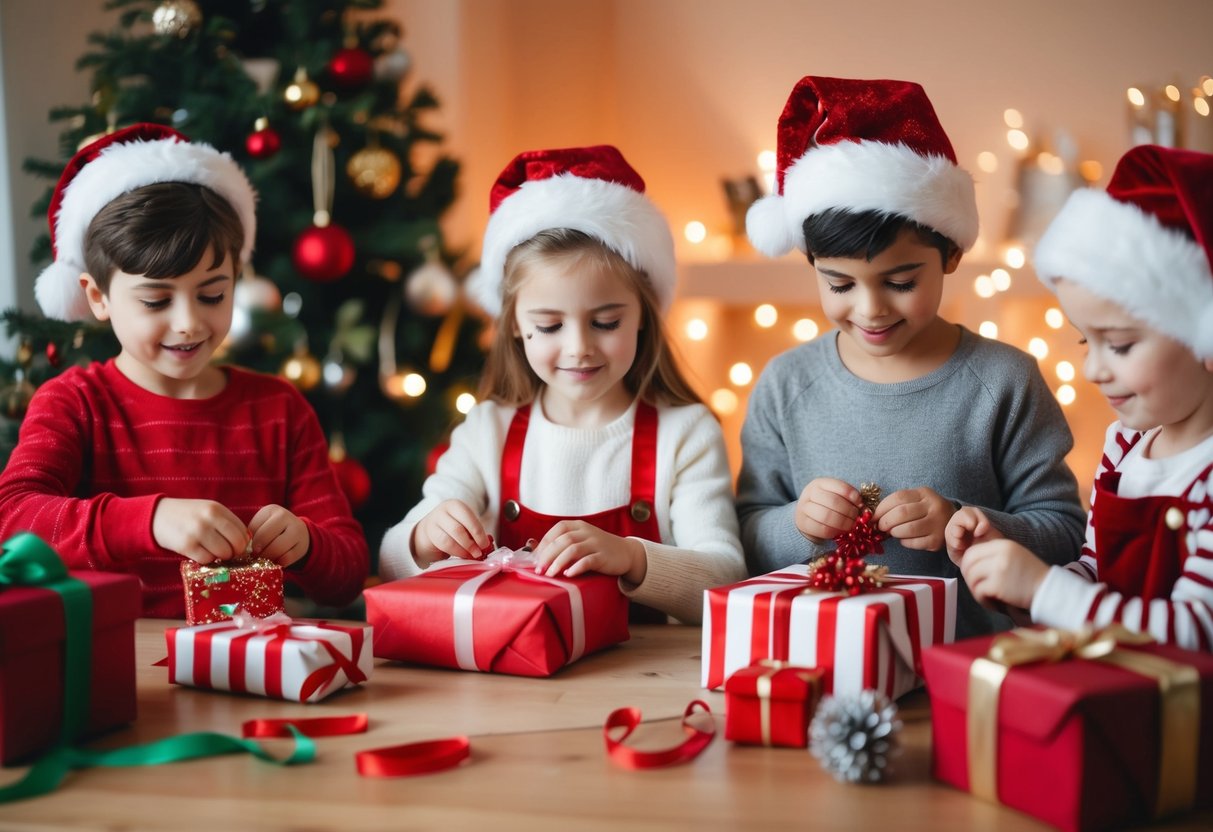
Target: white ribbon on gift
x,y
522,564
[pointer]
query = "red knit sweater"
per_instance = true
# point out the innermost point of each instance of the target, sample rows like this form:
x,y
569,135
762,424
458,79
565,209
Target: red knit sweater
x,y
97,452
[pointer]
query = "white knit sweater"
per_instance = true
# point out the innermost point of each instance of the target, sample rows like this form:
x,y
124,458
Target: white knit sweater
x,y
571,472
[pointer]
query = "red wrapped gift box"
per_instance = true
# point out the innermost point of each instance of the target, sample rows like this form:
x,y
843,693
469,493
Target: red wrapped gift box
x,y
771,703
1076,742
496,616
212,593
872,640
32,632
303,661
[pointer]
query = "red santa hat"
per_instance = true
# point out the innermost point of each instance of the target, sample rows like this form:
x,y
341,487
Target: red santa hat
x,y
99,173
862,146
1145,244
589,189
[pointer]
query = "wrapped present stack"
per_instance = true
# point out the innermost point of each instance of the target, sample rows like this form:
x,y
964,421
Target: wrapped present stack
x,y
863,628
496,615
1083,730
303,661
214,592
67,650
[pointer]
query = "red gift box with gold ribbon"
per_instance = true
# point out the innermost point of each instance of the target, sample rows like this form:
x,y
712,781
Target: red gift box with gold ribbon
x,y
496,615
1083,730
300,660
36,652
870,640
771,703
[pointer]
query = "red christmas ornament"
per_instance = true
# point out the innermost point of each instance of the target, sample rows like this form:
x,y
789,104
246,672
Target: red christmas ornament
x,y
52,353
324,253
263,142
351,68
354,480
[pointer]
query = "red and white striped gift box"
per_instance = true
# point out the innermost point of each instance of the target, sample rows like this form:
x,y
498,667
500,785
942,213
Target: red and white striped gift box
x,y
303,661
873,640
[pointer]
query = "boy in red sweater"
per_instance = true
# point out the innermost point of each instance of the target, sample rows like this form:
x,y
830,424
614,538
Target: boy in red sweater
x,y
131,464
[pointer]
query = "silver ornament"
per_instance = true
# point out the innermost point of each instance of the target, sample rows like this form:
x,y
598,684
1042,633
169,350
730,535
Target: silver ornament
x,y
256,292
431,289
393,65
854,736
176,18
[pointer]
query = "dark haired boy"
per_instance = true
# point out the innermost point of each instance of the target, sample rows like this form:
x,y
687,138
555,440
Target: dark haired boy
x,y
158,454
934,415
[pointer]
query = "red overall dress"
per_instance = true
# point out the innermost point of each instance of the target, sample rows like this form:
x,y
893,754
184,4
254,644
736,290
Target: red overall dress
x,y
518,523
1139,544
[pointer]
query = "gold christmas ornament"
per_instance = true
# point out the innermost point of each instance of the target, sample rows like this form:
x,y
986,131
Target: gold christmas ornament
x,y
301,93
375,171
302,370
25,353
15,398
176,18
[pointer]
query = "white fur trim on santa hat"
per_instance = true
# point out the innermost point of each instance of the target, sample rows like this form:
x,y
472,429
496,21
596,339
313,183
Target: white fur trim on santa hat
x,y
624,219
118,169
866,176
1124,254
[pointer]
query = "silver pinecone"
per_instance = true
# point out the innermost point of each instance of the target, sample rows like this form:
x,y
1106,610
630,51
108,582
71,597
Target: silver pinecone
x,y
854,736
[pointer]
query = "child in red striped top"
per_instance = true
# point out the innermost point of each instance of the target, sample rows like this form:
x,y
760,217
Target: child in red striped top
x,y
158,454
1133,270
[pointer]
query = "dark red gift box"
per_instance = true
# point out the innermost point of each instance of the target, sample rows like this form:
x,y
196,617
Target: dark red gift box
x,y
32,633
771,703
1078,741
212,592
497,618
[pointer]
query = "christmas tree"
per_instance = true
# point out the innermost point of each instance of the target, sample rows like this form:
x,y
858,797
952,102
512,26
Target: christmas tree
x,y
351,294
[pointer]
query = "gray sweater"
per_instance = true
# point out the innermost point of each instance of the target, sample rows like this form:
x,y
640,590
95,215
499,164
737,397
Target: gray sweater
x,y
982,430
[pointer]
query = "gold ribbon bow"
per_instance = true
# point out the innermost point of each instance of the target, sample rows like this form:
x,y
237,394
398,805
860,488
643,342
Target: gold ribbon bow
x,y
1178,685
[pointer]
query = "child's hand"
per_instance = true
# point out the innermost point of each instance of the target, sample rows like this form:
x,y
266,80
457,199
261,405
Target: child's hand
x,y
451,530
1003,570
968,526
279,535
202,530
574,547
915,516
827,507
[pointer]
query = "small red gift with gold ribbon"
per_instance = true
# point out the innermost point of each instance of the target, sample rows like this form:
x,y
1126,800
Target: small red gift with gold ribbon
x,y
1083,730
771,703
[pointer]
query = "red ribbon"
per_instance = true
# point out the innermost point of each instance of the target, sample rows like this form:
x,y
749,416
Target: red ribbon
x,y
627,757
318,726
413,758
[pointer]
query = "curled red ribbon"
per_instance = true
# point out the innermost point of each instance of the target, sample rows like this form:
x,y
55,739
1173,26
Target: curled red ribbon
x,y
627,757
413,758
317,726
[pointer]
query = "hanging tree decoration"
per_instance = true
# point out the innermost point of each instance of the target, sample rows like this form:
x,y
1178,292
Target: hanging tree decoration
x,y
264,141
351,67
302,92
352,476
325,251
844,569
177,18
375,170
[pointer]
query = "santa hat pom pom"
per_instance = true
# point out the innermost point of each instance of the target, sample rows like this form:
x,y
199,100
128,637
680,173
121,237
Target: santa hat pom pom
x,y
58,293
482,292
767,226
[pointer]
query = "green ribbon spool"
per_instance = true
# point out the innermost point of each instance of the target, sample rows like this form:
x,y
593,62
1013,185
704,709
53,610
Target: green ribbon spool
x,y
27,561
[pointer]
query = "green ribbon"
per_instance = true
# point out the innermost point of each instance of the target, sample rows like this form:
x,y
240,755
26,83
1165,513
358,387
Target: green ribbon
x,y
45,775
27,561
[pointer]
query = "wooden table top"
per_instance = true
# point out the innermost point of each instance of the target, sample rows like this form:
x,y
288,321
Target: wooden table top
x,y
537,760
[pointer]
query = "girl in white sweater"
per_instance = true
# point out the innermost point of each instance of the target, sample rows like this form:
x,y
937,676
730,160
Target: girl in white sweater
x,y
588,442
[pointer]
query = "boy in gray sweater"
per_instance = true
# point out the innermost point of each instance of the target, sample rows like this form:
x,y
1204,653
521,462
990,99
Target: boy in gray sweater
x,y
935,416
